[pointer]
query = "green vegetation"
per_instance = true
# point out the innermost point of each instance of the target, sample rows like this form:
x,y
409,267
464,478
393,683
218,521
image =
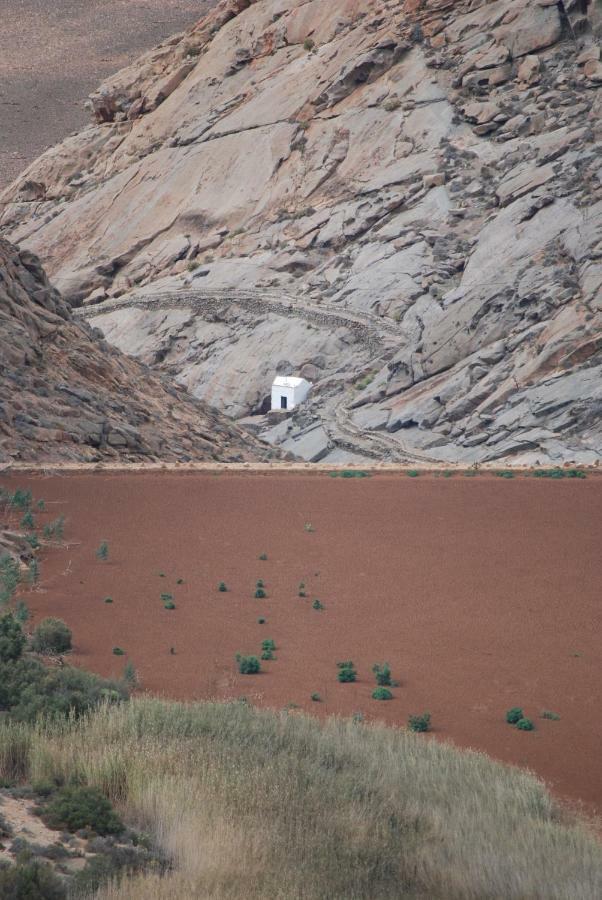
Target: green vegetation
x,y
413,473
169,604
103,551
55,529
382,673
33,571
514,715
309,527
263,556
108,600
29,689
315,697
222,587
260,593
27,522
12,639
506,473
180,581
9,579
261,621
30,879
302,590
346,671
317,604
118,651
309,44
548,714
130,675
525,724
558,473
420,723
382,693
436,822
76,807
51,636
248,665
21,499
167,598
22,612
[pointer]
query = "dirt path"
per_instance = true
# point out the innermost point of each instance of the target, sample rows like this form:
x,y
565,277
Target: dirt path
x,y
482,593
54,52
330,398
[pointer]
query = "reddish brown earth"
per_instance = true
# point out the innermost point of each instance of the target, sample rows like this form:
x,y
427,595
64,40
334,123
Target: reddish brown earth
x,y
481,593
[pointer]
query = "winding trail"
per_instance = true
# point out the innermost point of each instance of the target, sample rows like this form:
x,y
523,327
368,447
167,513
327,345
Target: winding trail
x,y
379,335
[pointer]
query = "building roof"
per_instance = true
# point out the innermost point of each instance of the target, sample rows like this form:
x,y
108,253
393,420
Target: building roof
x,y
288,381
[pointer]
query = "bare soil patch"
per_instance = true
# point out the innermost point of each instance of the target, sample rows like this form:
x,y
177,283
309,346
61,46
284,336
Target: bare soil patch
x,y
482,593
55,53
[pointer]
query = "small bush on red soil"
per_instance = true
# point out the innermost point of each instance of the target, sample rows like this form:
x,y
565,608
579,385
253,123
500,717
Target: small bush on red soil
x,y
31,879
51,636
420,723
12,639
382,693
260,594
222,588
316,698
525,724
248,665
382,673
346,672
514,715
103,551
118,651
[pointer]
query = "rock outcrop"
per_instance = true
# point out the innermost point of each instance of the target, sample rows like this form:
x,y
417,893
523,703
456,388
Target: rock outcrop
x,y
65,394
431,165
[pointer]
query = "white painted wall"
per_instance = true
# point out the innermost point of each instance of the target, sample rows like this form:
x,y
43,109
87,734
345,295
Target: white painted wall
x,y
295,391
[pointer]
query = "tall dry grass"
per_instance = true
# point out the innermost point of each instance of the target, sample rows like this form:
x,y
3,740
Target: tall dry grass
x,y
254,804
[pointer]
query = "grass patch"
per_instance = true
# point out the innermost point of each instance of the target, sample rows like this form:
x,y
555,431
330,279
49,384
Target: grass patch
x,y
341,809
548,714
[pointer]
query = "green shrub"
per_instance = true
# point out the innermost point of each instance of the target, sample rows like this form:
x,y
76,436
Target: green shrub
x,y
420,723
261,621
180,581
10,576
382,693
29,689
12,639
169,604
413,473
74,808
309,44
55,529
118,651
506,473
514,715
130,676
346,672
33,571
222,587
166,598
103,551
40,505
33,541
260,594
525,725
21,499
263,556
316,698
302,589
27,522
51,636
382,673
108,599
30,880
248,665
317,604
22,612
267,654
548,714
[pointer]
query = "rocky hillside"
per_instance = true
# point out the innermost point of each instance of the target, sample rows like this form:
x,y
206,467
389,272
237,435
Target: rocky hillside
x,y
399,200
65,394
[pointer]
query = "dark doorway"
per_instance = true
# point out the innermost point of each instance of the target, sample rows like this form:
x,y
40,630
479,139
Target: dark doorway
x,y
283,403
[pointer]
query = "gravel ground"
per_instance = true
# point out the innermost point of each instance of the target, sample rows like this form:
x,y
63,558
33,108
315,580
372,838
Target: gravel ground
x,y
54,52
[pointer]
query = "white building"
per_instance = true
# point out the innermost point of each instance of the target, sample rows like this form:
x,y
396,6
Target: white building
x,y
289,392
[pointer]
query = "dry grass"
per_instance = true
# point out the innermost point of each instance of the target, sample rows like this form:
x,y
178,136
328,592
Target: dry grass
x,y
257,804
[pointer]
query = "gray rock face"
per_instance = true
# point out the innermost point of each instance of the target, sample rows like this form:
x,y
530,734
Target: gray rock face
x,y
67,395
403,200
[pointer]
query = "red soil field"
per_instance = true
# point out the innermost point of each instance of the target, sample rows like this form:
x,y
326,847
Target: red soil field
x,y
482,594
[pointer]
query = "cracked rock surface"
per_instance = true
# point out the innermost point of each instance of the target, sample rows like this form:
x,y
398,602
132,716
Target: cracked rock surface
x,y
429,165
65,394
